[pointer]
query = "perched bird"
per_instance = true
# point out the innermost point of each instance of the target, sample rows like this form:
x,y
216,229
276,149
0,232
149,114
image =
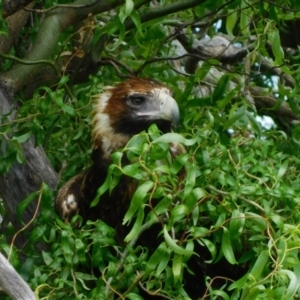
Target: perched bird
x,y
120,112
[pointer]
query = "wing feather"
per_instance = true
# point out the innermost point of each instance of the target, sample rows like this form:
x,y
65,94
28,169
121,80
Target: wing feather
x,y
69,197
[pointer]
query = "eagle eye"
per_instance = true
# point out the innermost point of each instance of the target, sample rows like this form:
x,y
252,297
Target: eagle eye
x,y
137,100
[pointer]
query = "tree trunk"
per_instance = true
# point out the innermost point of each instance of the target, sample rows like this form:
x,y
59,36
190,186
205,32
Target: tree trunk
x,y
23,179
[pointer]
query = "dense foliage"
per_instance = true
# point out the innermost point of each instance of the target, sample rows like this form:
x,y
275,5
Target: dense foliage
x,y
238,198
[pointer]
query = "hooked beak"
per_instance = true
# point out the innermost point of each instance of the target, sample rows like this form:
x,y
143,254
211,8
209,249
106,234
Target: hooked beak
x,y
163,107
169,109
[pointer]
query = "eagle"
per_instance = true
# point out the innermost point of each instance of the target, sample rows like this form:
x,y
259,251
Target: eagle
x,y
120,112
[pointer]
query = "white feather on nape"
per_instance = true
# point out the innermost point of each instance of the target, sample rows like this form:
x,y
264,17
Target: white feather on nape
x,y
103,133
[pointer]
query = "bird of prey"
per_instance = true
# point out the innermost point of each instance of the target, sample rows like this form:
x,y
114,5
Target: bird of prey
x,y
122,111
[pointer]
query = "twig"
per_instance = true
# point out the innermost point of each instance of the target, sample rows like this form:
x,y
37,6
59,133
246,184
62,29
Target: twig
x,y
125,253
239,196
283,8
28,224
115,63
37,62
43,11
74,281
211,282
153,293
136,281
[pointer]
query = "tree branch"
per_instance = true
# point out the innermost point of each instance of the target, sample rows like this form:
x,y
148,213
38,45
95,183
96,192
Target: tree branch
x,y
159,12
12,283
15,24
54,23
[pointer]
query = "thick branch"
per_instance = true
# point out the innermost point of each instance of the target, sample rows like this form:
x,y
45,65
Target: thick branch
x,y
158,12
10,7
60,18
268,65
52,26
263,98
12,283
266,101
15,23
216,47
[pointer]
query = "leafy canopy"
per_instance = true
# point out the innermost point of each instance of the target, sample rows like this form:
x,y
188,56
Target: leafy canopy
x,y
239,198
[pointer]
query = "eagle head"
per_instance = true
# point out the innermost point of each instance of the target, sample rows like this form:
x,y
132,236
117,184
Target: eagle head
x,y
129,108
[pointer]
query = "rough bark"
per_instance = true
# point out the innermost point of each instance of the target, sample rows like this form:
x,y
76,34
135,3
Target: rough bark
x,y
221,49
23,179
12,283
15,24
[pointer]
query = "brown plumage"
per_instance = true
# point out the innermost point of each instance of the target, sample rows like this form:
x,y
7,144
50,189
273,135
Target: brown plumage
x,y
120,112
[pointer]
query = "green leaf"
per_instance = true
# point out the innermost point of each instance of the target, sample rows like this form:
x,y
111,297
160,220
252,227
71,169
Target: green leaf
x,y
275,43
158,260
163,205
179,212
126,10
177,267
25,203
68,109
258,220
66,247
239,284
237,223
132,296
231,21
137,22
190,180
84,277
228,98
79,244
138,200
65,107
260,264
47,258
121,28
136,227
173,137
172,244
221,87
244,18
202,72
109,183
253,292
256,126
293,285
79,131
135,145
133,171
227,246
212,249
22,138
37,233
278,220
63,80
283,168
236,116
